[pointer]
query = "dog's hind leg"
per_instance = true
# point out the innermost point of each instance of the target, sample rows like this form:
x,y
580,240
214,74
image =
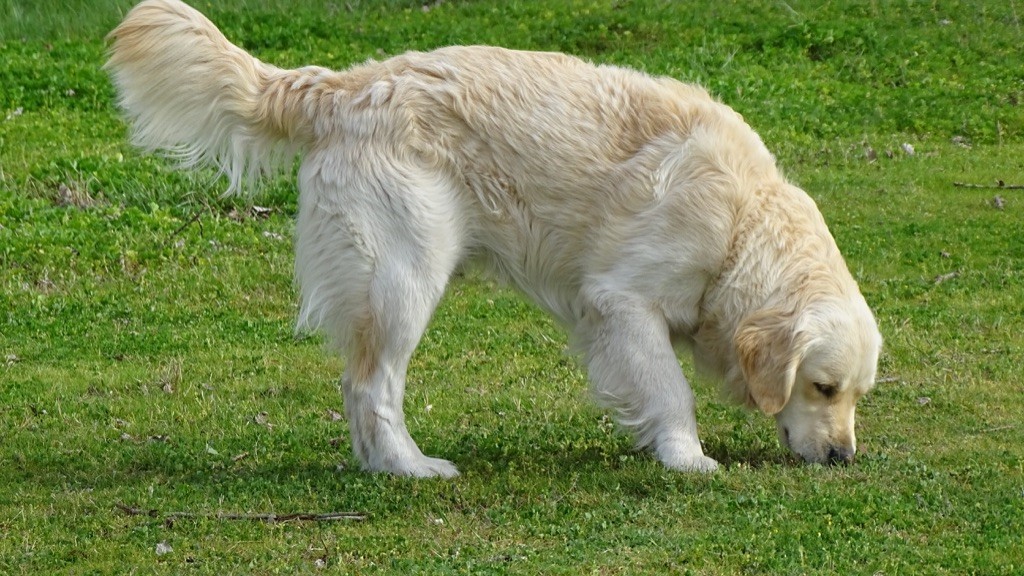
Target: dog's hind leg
x,y
401,304
633,369
374,254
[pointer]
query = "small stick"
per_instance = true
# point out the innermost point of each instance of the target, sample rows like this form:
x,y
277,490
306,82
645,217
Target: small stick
x,y
999,185
192,220
996,429
268,517
195,218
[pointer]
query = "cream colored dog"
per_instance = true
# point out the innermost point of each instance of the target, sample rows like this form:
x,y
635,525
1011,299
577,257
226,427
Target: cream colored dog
x,y
638,211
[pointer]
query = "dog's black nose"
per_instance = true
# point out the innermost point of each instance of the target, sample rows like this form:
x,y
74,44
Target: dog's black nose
x,y
840,455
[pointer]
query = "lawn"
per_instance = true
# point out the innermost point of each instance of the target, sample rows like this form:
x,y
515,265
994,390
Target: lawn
x,y
156,406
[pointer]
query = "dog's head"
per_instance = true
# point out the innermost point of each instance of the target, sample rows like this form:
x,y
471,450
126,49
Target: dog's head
x,y
808,369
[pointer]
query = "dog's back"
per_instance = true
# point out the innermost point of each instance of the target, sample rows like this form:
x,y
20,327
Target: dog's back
x,y
511,122
555,161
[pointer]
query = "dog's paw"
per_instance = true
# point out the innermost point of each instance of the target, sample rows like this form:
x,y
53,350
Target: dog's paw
x,y
684,462
701,464
419,467
428,467
684,454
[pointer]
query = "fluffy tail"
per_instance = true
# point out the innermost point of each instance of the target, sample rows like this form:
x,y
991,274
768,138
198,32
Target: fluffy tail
x,y
188,91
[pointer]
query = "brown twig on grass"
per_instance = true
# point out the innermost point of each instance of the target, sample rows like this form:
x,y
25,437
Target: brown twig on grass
x,y
996,429
999,185
195,218
268,517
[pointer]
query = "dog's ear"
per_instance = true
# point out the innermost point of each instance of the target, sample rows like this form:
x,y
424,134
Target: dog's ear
x,y
769,354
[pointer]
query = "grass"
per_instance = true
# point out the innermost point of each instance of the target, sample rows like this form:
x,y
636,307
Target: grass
x,y
147,357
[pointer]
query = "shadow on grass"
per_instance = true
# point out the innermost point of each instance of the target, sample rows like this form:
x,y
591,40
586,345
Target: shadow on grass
x,y
526,459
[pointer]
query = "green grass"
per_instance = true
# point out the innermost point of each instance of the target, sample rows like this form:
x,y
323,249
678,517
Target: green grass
x,y
149,360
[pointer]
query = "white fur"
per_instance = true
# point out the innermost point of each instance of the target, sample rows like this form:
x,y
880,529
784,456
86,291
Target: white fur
x,y
638,211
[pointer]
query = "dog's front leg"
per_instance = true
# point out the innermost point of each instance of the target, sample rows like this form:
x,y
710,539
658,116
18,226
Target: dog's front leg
x,y
633,370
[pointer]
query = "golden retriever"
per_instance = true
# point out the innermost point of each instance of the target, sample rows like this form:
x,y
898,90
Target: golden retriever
x,y
638,211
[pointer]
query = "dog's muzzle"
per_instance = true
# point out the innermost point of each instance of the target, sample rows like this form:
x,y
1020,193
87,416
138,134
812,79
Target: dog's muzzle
x,y
840,455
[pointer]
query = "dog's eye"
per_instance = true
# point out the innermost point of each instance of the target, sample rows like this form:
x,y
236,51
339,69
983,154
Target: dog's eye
x,y
826,390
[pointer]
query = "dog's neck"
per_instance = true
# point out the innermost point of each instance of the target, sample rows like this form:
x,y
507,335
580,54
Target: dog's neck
x,y
755,275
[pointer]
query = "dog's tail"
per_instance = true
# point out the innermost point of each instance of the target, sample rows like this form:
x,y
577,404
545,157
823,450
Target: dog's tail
x,y
187,90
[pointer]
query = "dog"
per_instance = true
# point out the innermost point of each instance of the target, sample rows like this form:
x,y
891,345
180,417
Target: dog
x,y
640,212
